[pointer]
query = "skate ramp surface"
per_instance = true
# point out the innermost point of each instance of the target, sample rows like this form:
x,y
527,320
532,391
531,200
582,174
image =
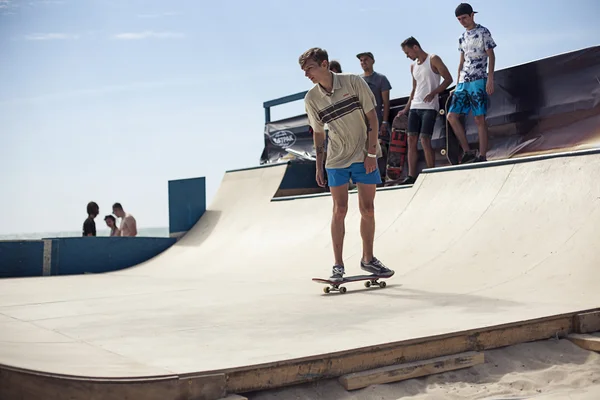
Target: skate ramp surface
x,y
473,247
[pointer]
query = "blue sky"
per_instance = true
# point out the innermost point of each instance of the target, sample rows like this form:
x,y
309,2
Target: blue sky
x,y
107,100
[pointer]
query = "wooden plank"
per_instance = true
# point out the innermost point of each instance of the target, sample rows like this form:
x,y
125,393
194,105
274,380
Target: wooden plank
x,y
334,365
587,342
396,373
587,322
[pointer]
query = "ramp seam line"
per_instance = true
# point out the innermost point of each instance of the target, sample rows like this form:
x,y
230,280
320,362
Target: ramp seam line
x,y
484,212
536,265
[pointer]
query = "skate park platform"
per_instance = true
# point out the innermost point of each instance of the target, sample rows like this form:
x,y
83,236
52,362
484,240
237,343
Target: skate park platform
x,y
486,255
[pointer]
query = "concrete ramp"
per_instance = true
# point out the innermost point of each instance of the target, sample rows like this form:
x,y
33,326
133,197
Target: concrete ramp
x,y
485,255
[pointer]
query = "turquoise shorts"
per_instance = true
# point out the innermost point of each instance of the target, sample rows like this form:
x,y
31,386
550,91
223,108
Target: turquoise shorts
x,y
470,96
356,171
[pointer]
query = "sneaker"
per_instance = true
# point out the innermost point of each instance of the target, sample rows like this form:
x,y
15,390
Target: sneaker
x,y
337,273
468,157
480,159
409,180
375,267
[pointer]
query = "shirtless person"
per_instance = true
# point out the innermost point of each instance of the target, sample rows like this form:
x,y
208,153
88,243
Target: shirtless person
x,y
347,105
128,223
423,104
111,222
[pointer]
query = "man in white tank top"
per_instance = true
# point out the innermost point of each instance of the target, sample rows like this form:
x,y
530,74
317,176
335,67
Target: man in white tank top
x,y
423,104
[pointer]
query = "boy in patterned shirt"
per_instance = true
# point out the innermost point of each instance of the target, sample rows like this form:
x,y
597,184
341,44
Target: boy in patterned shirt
x,y
476,46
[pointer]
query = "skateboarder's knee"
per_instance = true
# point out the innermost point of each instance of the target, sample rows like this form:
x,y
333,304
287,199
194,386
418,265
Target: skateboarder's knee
x,y
367,209
412,140
453,117
340,211
479,119
426,142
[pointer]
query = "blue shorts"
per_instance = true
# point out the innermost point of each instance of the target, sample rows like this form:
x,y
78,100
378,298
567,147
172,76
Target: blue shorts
x,y
356,171
470,96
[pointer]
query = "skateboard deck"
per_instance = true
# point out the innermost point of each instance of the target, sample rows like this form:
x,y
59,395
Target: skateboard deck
x,y
335,286
452,151
396,158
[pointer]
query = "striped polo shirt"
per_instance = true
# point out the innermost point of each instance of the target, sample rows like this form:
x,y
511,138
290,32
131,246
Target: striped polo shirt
x,y
344,111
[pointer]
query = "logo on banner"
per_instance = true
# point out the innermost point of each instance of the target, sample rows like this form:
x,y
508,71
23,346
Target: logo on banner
x,y
283,139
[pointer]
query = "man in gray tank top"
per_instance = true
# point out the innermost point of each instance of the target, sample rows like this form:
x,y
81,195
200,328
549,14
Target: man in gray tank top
x,y
423,104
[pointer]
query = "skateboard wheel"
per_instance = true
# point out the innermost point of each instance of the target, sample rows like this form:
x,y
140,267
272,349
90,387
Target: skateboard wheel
x,y
367,284
442,112
342,290
443,152
326,289
382,284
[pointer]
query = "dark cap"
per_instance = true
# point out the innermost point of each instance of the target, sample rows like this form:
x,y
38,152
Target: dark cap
x,y
366,53
464,9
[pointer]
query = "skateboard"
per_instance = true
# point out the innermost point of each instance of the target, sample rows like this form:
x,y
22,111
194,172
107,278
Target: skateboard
x,y
397,151
452,151
335,286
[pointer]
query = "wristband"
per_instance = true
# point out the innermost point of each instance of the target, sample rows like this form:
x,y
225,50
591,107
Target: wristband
x,y
371,155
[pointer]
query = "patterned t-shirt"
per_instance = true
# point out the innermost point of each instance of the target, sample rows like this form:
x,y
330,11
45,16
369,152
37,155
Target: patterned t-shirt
x,y
474,44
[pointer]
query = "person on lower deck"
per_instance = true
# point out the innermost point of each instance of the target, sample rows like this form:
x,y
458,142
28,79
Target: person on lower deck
x,y
346,104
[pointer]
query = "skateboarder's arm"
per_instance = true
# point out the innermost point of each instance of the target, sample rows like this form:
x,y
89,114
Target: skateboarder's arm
x,y
319,140
373,132
441,69
491,63
460,65
412,93
385,95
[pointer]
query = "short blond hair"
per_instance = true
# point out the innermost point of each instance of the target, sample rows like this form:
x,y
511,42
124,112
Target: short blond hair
x,y
316,54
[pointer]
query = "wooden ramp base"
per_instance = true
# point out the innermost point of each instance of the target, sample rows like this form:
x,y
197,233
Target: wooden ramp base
x,y
587,342
395,373
587,322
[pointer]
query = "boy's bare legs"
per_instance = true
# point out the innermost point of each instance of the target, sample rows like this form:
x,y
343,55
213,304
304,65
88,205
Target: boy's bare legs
x,y
413,155
339,195
459,130
482,129
366,205
428,150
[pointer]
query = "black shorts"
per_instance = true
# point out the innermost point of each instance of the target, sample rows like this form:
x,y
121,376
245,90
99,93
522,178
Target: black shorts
x,y
421,122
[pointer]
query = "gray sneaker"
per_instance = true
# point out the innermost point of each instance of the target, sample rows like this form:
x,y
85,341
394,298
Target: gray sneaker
x,y
375,267
337,273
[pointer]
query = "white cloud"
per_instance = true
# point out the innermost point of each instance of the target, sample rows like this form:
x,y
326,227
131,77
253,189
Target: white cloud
x,y
165,14
148,35
51,36
100,91
6,4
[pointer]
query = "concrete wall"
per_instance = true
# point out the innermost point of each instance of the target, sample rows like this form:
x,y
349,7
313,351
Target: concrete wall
x,y
21,258
103,254
71,256
187,203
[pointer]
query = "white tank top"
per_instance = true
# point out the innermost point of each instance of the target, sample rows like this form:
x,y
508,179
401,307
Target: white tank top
x,y
427,81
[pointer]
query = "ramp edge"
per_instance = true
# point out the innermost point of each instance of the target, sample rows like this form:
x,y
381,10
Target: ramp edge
x,y
512,161
212,385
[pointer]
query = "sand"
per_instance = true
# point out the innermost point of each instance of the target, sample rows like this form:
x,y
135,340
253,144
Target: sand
x,y
545,370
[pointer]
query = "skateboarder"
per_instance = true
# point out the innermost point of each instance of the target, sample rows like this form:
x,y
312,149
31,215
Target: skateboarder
x,y
476,46
423,103
346,104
